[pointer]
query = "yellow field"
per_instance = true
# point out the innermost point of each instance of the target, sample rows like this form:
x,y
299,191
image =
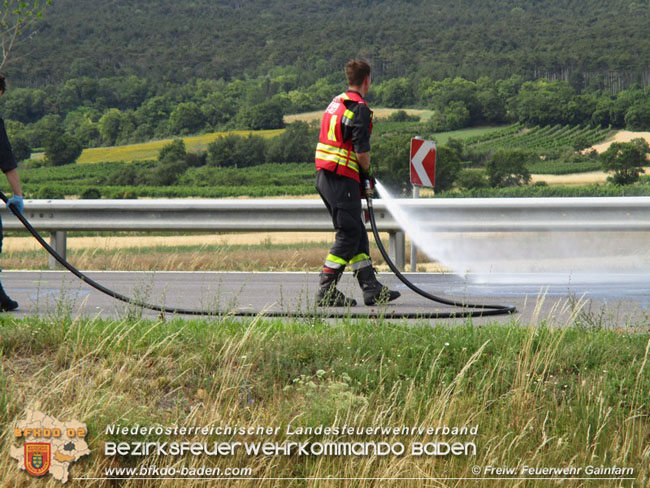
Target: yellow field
x,y
620,136
149,150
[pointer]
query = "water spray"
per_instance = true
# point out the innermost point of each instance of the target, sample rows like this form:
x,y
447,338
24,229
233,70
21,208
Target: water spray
x,y
485,310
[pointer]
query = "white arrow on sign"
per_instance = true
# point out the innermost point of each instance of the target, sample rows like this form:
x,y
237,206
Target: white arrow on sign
x,y
417,161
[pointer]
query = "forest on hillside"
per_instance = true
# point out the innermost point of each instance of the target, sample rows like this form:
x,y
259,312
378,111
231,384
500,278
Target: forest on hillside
x,y
590,43
98,73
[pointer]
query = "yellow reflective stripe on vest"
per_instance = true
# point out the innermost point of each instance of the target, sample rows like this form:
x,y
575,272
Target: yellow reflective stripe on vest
x,y
337,151
331,133
337,155
348,115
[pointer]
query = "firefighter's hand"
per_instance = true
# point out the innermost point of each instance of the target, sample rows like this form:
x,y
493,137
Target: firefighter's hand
x,y
368,182
17,202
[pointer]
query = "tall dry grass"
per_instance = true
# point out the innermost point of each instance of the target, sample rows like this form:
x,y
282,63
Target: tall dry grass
x,y
262,257
559,395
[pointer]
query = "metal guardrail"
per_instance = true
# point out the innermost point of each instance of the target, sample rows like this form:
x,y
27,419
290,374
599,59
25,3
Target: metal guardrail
x,y
442,215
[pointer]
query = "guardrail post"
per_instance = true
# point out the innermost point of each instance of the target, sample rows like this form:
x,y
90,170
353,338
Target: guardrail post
x,y
414,249
397,248
58,240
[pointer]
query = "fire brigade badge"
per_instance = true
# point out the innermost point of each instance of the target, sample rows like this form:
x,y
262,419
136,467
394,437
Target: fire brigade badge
x,y
37,458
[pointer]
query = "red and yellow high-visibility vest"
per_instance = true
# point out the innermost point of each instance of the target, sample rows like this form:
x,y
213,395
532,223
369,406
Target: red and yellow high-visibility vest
x,y
333,153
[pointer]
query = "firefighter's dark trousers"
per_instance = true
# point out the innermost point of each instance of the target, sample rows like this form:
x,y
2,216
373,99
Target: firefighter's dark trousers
x,y
342,199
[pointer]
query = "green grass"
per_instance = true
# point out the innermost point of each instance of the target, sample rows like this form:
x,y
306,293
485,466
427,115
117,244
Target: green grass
x,y
441,138
574,394
564,168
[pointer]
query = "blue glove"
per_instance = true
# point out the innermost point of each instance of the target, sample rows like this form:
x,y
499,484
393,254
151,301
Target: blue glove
x,y
17,202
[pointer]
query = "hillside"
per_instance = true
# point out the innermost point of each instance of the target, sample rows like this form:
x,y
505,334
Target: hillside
x,y
589,42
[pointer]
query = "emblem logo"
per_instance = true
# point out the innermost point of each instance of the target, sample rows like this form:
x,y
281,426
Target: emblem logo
x,y
37,458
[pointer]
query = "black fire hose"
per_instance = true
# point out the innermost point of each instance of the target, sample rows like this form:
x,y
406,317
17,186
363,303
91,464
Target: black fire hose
x,y
491,309
486,310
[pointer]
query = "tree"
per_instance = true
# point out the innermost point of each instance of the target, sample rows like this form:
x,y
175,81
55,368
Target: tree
x,y
173,150
543,102
110,126
186,118
17,20
46,128
266,115
638,116
626,160
447,168
390,161
470,179
456,115
21,148
25,104
60,150
234,150
396,92
295,145
508,168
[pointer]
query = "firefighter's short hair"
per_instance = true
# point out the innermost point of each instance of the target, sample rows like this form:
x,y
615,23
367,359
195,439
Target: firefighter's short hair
x,y
356,71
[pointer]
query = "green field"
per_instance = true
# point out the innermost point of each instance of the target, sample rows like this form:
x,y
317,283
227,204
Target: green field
x,y
575,394
539,138
150,150
441,138
108,175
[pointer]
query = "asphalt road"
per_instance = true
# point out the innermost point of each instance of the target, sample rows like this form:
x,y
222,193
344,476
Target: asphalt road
x,y
598,300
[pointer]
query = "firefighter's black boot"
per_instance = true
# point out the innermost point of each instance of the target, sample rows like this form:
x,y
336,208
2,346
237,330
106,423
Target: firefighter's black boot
x,y
374,292
328,295
6,303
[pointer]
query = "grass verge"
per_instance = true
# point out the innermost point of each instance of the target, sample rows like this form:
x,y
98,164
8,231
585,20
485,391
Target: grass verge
x,y
550,396
265,256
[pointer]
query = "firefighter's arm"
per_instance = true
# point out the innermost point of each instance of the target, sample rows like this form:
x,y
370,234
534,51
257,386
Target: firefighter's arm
x,y
367,180
14,182
364,161
17,199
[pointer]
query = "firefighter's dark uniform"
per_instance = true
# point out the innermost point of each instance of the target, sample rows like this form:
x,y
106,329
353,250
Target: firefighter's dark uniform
x,y
7,163
345,131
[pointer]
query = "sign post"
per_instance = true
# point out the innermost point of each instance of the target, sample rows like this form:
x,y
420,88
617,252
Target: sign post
x,y
423,173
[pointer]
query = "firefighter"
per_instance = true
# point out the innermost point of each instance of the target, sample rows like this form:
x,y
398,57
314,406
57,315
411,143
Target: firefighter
x,y
8,166
343,166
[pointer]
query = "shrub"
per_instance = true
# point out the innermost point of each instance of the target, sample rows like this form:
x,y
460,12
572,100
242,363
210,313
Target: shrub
x,y
90,194
626,160
266,115
21,148
448,167
402,116
508,168
390,161
63,149
295,145
469,179
173,150
50,193
234,150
